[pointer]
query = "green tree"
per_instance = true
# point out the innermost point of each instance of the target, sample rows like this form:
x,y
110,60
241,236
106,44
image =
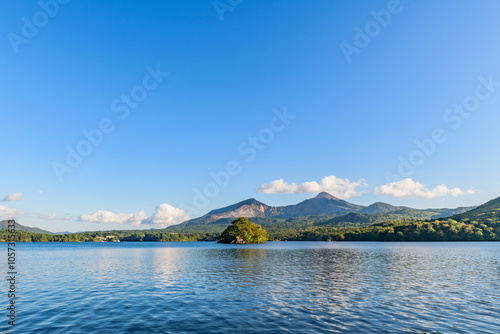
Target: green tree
x,y
242,231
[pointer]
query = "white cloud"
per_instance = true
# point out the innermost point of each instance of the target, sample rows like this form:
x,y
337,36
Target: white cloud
x,y
164,215
409,189
114,218
54,217
13,197
278,187
8,213
342,188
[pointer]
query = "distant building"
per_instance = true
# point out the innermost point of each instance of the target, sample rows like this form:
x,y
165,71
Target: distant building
x,y
108,238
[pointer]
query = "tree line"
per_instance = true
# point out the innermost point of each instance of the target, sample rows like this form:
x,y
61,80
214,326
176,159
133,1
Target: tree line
x,y
123,236
484,227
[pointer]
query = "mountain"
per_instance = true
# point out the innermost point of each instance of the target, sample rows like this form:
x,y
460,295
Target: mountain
x,y
489,210
249,208
19,227
322,210
350,219
323,204
401,213
444,213
380,207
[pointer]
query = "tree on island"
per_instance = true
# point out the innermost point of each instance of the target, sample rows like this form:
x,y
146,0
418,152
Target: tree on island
x,y
242,231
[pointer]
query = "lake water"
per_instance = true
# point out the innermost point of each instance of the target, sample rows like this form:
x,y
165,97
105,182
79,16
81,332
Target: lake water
x,y
278,287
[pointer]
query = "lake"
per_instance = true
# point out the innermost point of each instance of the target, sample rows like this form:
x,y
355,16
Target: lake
x,y
278,287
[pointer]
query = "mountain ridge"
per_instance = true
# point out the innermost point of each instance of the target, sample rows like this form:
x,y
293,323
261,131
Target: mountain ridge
x,y
379,207
322,204
4,225
490,208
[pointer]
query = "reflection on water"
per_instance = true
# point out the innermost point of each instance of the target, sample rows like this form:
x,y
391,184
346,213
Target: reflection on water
x,y
295,287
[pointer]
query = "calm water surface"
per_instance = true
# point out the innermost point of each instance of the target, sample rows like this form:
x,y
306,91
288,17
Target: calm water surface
x,y
279,287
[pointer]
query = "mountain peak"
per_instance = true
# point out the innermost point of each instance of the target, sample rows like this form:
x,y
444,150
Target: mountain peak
x,y
250,201
380,207
327,196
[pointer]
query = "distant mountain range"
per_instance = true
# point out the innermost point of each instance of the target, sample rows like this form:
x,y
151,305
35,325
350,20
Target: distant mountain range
x,y
377,222
324,207
324,203
324,210
19,227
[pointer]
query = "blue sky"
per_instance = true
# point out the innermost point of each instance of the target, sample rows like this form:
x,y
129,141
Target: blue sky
x,y
352,116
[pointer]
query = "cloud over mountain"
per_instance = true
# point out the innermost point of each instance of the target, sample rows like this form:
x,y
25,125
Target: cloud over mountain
x,y
342,188
408,188
9,213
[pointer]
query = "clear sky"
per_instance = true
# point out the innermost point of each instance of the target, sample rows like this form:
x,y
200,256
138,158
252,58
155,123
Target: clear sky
x,y
279,99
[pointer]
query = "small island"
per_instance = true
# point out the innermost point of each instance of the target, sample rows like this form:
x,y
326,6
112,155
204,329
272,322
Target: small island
x,y
243,231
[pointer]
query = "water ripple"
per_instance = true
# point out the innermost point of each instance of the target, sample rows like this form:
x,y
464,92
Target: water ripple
x,y
292,287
